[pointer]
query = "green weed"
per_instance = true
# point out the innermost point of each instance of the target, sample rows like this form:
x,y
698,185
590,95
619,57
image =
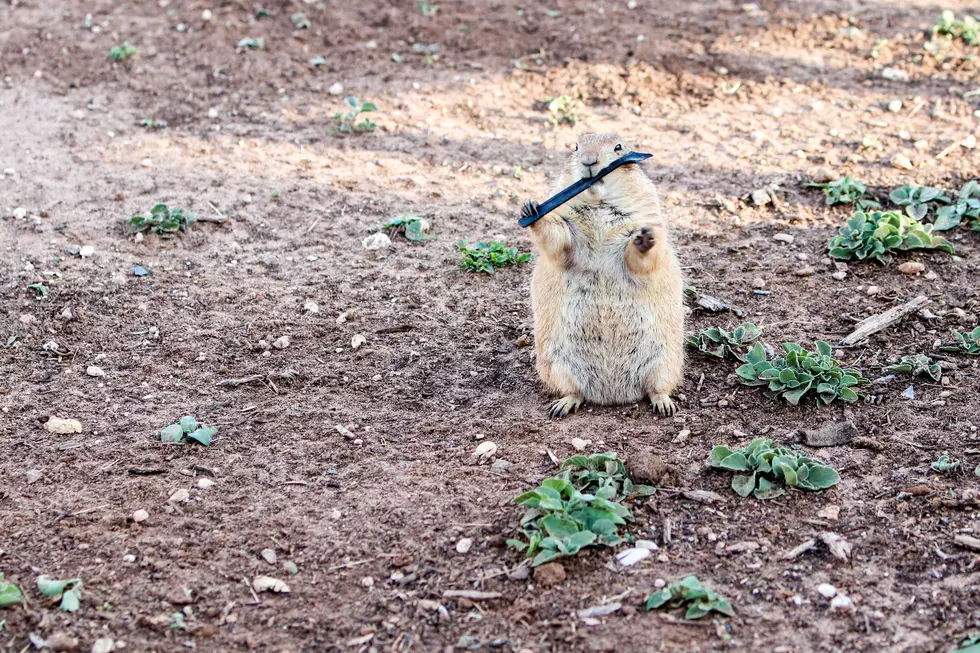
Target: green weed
x,y
917,200
70,591
562,110
768,465
944,464
300,21
188,429
414,227
486,257
847,191
10,594
717,342
428,10
346,122
966,205
123,52
251,44
162,220
878,235
917,365
968,342
592,473
966,28
40,289
801,372
700,600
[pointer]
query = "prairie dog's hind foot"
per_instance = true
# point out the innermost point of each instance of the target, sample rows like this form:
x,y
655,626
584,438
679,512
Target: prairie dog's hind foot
x,y
645,240
663,404
564,406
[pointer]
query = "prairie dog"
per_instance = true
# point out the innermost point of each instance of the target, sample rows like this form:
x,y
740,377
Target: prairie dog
x,y
607,291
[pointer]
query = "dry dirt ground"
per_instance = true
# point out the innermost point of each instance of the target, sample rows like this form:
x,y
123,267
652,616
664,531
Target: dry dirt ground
x,y
729,99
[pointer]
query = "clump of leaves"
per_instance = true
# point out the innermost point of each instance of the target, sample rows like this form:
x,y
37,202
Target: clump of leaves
x,y
251,44
592,473
163,220
563,520
415,227
769,464
847,191
968,342
39,288
188,430
877,235
917,365
10,594
70,591
485,257
966,28
122,52
561,110
965,206
150,123
717,342
944,464
346,122
700,600
428,10
917,200
801,372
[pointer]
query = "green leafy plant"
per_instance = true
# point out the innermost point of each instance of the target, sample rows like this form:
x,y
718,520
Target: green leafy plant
x,y
769,464
70,591
415,227
944,464
917,365
563,520
801,372
561,110
162,220
122,52
428,10
847,191
592,473
188,429
968,342
346,122
717,342
10,594
39,288
251,44
917,200
300,21
485,257
877,235
150,123
700,600
951,27
965,206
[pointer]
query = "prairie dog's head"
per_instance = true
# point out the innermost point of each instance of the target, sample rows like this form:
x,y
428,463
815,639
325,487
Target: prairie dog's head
x,y
593,152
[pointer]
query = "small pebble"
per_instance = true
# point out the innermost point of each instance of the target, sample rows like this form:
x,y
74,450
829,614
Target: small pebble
x,y
805,271
269,556
841,602
130,558
759,282
206,15
911,267
902,162
784,238
146,163
827,590
94,370
205,483
760,197
464,545
212,113
140,516
180,496
33,476
840,275
281,342
873,290
895,74
895,106
335,89
367,581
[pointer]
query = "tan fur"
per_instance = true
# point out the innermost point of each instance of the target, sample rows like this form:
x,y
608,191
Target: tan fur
x,y
608,316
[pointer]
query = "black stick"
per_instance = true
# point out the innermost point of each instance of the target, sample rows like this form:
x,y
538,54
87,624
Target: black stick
x,y
531,212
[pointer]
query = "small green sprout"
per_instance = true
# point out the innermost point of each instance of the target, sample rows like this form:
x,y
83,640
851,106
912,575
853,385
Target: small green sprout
x,y
966,28
300,21
428,10
188,429
561,110
700,600
717,342
591,473
917,365
39,288
968,342
847,191
485,257
415,227
70,591
769,464
877,235
150,123
122,52
800,373
318,60
162,220
10,594
944,464
345,121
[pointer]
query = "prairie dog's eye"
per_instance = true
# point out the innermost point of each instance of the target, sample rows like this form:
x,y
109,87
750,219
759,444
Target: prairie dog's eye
x,y
575,148
619,147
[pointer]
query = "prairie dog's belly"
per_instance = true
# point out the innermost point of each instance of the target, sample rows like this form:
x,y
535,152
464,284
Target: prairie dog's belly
x,y
605,336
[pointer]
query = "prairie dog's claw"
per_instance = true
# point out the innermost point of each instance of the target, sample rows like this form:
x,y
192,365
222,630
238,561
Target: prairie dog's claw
x,y
663,404
645,240
562,407
529,209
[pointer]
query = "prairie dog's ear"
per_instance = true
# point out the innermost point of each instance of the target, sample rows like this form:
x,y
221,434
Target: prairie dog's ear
x,y
572,145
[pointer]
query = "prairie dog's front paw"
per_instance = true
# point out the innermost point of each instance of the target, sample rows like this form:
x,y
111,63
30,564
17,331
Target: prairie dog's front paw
x,y
645,240
663,404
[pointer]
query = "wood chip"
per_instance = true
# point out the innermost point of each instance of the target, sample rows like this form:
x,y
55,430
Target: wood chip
x,y
968,542
472,595
839,547
796,552
702,496
876,323
599,610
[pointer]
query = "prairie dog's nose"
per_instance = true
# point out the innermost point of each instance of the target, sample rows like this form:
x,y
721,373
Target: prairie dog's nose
x,y
588,163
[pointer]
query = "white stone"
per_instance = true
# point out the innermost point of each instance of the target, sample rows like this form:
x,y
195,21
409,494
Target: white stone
x,y
140,516
827,590
464,545
376,241
335,89
94,370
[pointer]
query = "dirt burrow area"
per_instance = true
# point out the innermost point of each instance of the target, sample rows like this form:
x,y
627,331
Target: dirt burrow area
x,y
728,98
